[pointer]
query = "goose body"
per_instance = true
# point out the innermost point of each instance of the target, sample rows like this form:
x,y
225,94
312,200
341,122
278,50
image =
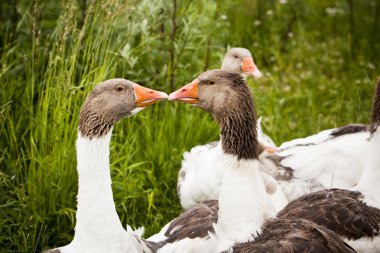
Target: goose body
x,y
245,214
98,227
201,173
333,158
354,214
321,162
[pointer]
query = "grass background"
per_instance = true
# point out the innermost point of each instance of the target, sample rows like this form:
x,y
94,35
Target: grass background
x,y
320,61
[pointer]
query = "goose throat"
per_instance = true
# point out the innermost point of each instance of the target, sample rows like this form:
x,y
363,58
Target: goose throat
x,y
238,131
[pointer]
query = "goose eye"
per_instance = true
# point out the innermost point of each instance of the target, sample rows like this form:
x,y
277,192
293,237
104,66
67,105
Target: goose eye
x,y
119,88
236,56
210,82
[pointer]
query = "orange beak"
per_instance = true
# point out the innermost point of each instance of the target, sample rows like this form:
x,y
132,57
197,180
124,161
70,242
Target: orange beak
x,y
187,94
248,67
145,96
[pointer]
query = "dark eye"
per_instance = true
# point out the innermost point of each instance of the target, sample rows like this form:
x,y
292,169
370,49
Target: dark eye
x,y
236,56
210,82
119,88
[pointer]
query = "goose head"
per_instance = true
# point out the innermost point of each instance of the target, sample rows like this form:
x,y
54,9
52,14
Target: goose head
x,y
111,101
239,60
215,91
227,97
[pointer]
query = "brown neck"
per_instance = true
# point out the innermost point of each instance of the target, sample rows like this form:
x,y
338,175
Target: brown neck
x,y
92,125
376,108
238,127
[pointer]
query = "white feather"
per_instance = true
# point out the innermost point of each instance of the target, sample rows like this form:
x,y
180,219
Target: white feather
x,y
98,228
312,139
202,170
188,245
333,163
243,203
160,236
369,182
365,245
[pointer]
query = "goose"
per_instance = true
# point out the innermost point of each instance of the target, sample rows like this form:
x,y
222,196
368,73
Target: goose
x,y
245,214
98,228
354,214
333,158
200,174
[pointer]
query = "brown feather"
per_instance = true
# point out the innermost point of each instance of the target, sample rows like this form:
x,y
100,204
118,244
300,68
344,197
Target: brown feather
x,y
349,129
341,211
237,118
293,236
376,108
196,222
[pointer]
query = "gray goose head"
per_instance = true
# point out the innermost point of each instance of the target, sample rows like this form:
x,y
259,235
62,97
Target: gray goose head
x,y
111,101
227,97
239,60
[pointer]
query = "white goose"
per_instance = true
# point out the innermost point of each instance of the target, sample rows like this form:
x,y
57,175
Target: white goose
x,y
98,228
245,210
333,158
201,172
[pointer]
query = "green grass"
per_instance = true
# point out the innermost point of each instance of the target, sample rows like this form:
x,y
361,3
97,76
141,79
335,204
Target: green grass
x,y
319,72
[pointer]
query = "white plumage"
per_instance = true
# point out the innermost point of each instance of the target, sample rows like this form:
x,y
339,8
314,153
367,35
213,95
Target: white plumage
x,y
98,227
322,161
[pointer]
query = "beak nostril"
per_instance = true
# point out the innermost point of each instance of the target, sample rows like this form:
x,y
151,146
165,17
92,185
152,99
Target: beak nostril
x,y
183,90
151,92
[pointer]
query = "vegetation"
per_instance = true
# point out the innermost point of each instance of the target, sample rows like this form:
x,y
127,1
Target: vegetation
x,y
319,60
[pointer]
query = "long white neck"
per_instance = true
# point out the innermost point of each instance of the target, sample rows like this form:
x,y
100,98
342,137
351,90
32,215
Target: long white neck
x,y
369,182
96,216
243,202
95,198
98,228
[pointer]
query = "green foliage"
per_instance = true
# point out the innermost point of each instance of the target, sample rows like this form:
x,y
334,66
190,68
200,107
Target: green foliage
x,y
318,58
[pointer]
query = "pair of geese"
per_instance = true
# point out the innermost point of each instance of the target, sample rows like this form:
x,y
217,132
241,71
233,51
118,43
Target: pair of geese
x,y
243,184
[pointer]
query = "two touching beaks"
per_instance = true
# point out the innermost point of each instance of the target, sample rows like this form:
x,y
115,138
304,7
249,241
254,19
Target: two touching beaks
x,y
145,96
188,93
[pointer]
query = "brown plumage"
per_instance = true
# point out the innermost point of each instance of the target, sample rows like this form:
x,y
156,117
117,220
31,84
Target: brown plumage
x,y
230,102
196,222
153,246
284,174
293,236
349,129
376,108
97,115
341,211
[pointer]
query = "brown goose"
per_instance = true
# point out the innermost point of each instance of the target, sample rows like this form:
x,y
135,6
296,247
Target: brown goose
x,y
98,228
245,211
200,175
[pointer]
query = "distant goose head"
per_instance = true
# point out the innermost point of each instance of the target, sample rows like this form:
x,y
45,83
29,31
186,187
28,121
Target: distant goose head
x,y
111,101
239,60
227,97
